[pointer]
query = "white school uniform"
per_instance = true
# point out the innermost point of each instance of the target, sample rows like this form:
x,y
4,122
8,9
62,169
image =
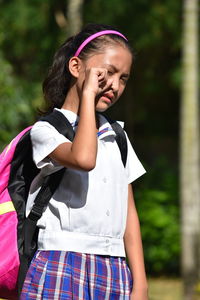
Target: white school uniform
x,y
87,213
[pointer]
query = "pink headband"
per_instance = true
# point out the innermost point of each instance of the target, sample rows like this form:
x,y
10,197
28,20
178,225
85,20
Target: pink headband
x,y
94,36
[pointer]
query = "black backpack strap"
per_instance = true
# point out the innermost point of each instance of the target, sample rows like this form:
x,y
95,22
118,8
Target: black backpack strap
x,y
49,186
30,229
120,139
51,182
61,123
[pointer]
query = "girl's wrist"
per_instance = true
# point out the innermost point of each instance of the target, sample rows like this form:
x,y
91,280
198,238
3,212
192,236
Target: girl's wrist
x,y
140,283
142,288
139,294
88,93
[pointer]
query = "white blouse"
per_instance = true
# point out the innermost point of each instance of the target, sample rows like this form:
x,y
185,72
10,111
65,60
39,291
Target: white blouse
x,y
87,213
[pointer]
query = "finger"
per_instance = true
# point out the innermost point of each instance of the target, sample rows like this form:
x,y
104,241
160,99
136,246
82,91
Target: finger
x,y
102,76
106,85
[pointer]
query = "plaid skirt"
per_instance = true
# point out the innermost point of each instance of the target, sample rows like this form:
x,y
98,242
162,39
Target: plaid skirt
x,y
69,275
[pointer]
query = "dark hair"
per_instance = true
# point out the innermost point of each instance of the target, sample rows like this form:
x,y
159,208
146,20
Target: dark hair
x,y
57,82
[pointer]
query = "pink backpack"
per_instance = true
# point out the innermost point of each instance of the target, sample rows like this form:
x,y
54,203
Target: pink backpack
x,y
9,256
18,234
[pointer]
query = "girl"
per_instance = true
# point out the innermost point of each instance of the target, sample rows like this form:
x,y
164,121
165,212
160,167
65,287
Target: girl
x,y
91,220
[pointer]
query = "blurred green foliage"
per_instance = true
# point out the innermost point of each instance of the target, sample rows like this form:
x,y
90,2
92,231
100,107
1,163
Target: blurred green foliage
x,y
18,102
14,107
158,208
29,35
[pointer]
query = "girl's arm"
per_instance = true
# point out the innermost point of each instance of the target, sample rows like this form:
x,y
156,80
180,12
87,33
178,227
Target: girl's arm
x,y
134,250
81,153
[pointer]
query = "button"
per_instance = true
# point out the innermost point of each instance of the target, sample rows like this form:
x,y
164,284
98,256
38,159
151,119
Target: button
x,y
108,213
104,179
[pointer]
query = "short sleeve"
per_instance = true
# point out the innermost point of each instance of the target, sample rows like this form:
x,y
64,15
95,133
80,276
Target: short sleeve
x,y
45,139
134,168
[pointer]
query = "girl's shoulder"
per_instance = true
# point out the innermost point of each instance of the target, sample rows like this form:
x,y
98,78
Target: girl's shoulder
x,y
43,134
42,129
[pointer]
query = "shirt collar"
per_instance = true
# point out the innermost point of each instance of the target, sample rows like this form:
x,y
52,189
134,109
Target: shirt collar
x,y
72,117
105,129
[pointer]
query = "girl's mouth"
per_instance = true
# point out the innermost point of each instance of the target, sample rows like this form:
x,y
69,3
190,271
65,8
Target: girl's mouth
x,y
108,97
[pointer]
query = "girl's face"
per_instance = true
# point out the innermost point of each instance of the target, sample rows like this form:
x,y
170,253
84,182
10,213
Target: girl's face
x,y
117,62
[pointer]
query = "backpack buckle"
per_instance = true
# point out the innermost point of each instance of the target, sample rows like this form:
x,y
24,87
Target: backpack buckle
x,y
35,213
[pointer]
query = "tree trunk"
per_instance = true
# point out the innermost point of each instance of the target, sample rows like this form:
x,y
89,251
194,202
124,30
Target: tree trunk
x,y
74,16
190,150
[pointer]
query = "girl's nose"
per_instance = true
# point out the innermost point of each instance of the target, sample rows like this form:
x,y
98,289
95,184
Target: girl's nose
x,y
115,84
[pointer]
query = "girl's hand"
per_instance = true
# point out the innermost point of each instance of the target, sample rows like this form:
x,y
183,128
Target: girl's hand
x,y
96,81
139,294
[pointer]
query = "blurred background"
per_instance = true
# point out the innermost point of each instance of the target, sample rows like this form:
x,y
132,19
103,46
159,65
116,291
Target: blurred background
x,y
154,108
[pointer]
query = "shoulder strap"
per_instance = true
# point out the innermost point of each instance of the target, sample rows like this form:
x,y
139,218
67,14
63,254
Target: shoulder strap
x,y
51,182
61,123
28,243
120,139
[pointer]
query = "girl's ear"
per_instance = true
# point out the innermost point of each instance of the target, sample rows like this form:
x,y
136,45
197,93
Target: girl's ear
x,y
75,66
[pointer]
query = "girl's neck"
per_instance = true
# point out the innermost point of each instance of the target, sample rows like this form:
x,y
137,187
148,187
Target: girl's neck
x,y
72,101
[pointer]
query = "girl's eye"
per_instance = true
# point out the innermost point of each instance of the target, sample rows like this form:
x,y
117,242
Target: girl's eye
x,y
124,80
110,73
